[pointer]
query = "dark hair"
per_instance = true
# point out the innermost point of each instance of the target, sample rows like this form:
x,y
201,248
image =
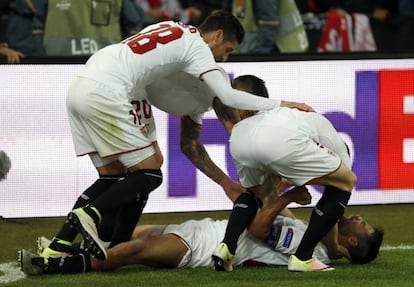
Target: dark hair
x,y
367,248
251,84
232,29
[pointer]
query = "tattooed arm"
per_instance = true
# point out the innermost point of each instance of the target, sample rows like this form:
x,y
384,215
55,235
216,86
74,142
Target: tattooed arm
x,y
195,151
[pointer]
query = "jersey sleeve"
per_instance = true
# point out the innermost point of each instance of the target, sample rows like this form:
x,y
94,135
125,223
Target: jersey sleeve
x,y
235,98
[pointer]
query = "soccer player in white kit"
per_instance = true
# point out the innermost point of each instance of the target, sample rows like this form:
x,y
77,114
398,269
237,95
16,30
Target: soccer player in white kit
x,y
301,147
271,239
185,96
109,115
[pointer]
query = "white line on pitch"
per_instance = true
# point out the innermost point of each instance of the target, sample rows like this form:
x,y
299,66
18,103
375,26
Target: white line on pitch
x,y
399,247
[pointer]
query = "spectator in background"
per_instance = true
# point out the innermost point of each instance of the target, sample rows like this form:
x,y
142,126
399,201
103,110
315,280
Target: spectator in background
x,y
390,22
164,10
11,55
206,7
377,9
19,37
74,27
406,7
271,26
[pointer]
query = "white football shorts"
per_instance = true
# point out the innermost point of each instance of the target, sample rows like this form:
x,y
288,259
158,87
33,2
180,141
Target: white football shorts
x,y
103,120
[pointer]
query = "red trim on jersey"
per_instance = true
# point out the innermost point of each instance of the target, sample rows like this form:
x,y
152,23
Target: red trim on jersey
x,y
202,74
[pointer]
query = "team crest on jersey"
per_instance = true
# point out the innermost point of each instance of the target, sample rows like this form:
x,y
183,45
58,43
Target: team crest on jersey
x,y
288,238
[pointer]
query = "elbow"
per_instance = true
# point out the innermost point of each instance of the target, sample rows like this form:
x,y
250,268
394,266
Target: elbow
x,y
258,233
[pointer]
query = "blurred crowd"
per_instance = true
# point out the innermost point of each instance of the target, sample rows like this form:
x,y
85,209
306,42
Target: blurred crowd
x,y
80,27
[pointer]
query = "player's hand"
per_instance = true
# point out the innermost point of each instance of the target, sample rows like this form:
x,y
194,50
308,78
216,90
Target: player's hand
x,y
295,105
13,57
298,194
231,188
335,250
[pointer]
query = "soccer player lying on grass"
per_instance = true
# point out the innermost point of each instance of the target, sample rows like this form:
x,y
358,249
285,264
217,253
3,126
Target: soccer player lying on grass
x,y
270,240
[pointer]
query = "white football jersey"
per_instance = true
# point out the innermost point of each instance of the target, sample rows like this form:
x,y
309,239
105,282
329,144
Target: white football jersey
x,y
182,94
289,234
157,51
161,50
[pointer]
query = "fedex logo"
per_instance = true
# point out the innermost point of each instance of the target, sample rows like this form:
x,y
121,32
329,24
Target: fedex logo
x,y
382,133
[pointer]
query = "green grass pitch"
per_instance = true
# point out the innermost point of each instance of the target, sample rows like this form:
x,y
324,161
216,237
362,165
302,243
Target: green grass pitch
x,y
394,266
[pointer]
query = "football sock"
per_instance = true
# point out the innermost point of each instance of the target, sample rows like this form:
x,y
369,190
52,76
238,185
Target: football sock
x,y
127,190
58,244
107,225
243,212
127,219
325,215
96,189
118,226
68,234
79,263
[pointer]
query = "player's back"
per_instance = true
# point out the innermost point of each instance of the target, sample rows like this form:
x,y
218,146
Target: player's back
x,y
157,51
182,94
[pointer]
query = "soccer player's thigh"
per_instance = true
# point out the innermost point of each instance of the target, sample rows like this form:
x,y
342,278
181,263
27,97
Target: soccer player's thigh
x,y
143,231
164,250
328,136
342,178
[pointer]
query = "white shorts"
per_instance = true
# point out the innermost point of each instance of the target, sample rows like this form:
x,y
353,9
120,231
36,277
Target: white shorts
x,y
104,120
201,237
298,146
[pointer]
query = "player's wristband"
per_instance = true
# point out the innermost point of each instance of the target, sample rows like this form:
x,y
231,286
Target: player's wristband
x,y
274,235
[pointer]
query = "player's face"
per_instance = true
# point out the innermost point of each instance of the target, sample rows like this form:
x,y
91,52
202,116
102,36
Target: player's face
x,y
354,224
221,49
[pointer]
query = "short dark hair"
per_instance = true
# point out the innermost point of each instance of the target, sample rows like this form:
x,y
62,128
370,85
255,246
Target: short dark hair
x,y
368,247
251,84
232,29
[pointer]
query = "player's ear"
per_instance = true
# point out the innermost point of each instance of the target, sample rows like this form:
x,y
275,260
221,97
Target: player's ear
x,y
219,36
352,240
